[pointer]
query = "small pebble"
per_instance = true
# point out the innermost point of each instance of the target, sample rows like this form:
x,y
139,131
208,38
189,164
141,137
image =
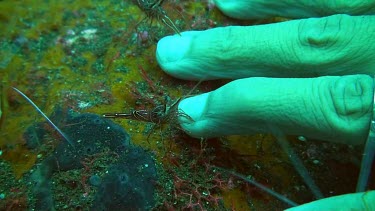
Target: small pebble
x,y
302,138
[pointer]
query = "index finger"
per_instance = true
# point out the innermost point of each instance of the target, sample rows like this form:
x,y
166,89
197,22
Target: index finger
x,y
249,9
334,45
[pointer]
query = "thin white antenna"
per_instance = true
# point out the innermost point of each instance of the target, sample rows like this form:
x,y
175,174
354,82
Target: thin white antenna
x,y
45,116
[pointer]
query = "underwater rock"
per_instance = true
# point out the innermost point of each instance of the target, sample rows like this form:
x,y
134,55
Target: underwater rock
x,y
129,184
91,135
34,136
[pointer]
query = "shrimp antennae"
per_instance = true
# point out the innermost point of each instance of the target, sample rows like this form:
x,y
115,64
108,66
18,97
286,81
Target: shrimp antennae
x,y
45,116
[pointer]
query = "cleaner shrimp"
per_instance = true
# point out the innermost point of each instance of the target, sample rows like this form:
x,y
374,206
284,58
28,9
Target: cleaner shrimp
x,y
154,10
160,114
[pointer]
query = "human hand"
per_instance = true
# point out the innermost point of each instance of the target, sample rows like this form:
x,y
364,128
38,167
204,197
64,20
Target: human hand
x,y
282,69
353,201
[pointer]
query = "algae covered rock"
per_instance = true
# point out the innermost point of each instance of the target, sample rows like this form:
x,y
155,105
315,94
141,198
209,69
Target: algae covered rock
x,y
128,173
129,184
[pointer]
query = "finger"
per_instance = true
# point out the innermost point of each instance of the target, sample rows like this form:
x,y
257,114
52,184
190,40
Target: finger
x,y
330,108
250,9
354,201
335,45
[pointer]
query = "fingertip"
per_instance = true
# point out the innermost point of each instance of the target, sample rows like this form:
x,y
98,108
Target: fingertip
x,y
192,118
171,51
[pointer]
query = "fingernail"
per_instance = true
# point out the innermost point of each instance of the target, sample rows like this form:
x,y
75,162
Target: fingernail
x,y
172,48
193,121
194,107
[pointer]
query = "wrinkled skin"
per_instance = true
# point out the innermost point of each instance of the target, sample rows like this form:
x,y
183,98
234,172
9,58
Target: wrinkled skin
x,y
310,76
